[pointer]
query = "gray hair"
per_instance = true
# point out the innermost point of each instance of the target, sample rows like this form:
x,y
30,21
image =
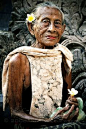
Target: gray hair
x,y
48,4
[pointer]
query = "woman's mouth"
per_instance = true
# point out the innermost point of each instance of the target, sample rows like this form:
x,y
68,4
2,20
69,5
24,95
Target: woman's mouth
x,y
51,37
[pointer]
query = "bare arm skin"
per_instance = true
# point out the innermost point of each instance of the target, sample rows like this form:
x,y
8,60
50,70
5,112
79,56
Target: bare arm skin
x,y
70,105
19,78
68,79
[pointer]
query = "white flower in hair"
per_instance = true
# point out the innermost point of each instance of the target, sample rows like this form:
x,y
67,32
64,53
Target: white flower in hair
x,y
30,17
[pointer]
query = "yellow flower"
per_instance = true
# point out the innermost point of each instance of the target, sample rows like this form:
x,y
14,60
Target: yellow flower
x,y
30,17
72,92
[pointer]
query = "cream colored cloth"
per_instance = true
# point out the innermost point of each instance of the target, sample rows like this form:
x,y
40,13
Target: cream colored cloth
x,y
47,84
45,64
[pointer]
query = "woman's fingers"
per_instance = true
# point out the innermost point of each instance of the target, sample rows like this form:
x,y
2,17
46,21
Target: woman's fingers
x,y
71,102
74,115
67,115
71,114
60,112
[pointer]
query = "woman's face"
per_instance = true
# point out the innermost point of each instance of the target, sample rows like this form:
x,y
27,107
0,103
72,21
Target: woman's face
x,y
48,28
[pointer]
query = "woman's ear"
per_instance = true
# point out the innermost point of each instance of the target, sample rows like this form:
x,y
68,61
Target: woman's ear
x,y
30,28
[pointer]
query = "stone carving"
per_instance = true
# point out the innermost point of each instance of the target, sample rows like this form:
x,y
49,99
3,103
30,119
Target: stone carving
x,y
81,87
6,45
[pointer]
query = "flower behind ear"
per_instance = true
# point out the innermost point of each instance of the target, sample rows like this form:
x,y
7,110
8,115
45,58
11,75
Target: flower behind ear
x,y
30,18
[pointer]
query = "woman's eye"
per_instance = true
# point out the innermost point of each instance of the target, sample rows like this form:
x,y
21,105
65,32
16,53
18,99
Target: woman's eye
x,y
58,24
46,21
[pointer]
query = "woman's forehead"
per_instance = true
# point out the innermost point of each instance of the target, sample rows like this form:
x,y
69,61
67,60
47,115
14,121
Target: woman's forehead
x,y
48,11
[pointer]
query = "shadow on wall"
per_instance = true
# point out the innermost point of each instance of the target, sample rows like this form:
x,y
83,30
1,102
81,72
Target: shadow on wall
x,y
5,14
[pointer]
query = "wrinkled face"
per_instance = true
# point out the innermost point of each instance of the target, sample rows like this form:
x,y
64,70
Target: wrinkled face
x,y
48,28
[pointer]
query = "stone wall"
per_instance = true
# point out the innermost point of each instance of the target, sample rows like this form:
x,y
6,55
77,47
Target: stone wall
x,y
74,36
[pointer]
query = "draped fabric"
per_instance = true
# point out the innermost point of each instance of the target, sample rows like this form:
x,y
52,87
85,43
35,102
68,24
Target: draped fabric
x,y
46,76
47,84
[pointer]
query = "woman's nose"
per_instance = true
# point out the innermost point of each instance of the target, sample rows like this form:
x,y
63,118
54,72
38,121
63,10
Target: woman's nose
x,y
51,27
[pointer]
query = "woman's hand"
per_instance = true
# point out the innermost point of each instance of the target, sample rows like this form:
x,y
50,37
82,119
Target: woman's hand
x,y
68,113
72,101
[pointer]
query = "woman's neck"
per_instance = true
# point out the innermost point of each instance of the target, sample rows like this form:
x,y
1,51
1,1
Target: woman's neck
x,y
39,45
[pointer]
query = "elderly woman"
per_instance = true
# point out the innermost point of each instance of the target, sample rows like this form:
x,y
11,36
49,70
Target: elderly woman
x,y
43,71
